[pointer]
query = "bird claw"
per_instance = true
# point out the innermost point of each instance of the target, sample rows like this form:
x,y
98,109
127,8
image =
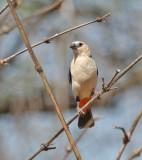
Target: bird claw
x,y
80,112
98,95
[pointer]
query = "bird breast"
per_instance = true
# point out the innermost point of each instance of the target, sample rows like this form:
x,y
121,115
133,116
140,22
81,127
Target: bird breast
x,y
83,69
84,76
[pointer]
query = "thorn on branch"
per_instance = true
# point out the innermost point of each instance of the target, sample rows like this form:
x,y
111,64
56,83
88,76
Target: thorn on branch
x,y
44,147
125,135
46,40
98,19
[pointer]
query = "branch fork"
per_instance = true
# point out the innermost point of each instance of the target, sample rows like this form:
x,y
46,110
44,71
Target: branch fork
x,y
109,87
125,137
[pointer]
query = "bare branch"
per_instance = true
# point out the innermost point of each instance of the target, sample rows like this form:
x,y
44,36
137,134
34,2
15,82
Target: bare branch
x,y
48,8
127,68
107,88
110,83
136,153
86,105
99,19
40,71
127,136
14,4
48,40
134,124
69,148
4,61
4,9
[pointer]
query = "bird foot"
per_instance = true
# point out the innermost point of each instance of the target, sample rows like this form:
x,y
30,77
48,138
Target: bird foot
x,y
98,95
80,112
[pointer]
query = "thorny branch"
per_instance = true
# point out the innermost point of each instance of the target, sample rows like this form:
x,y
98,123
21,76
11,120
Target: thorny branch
x,y
48,40
41,73
127,136
115,78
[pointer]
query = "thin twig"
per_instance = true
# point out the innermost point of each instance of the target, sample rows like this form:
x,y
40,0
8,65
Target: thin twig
x,y
110,83
84,107
127,136
14,4
54,137
48,8
135,154
4,62
4,9
54,5
127,68
40,71
98,19
6,6
108,87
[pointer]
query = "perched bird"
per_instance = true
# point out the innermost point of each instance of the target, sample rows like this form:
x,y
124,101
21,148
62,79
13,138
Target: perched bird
x,y
83,75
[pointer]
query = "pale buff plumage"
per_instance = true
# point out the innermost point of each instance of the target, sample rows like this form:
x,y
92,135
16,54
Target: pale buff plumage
x,y
83,76
83,71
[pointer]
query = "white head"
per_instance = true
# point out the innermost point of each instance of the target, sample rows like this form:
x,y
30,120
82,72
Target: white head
x,y
80,48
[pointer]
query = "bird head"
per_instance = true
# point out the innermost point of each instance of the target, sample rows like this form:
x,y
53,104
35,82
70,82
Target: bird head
x,y
80,48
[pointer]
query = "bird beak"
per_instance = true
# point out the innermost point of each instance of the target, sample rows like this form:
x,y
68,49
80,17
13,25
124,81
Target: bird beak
x,y
73,46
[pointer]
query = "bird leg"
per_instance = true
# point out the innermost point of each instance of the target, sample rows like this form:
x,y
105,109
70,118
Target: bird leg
x,y
98,95
79,111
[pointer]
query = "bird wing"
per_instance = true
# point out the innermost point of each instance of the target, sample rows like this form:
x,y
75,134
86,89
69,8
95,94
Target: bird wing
x,y
69,76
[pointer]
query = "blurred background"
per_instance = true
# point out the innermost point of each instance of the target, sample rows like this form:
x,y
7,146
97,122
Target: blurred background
x,y
27,115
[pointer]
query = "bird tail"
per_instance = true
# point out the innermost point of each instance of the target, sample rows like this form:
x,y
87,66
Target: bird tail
x,y
87,118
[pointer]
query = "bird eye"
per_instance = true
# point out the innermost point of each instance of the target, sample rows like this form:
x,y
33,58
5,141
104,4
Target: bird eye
x,y
80,44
